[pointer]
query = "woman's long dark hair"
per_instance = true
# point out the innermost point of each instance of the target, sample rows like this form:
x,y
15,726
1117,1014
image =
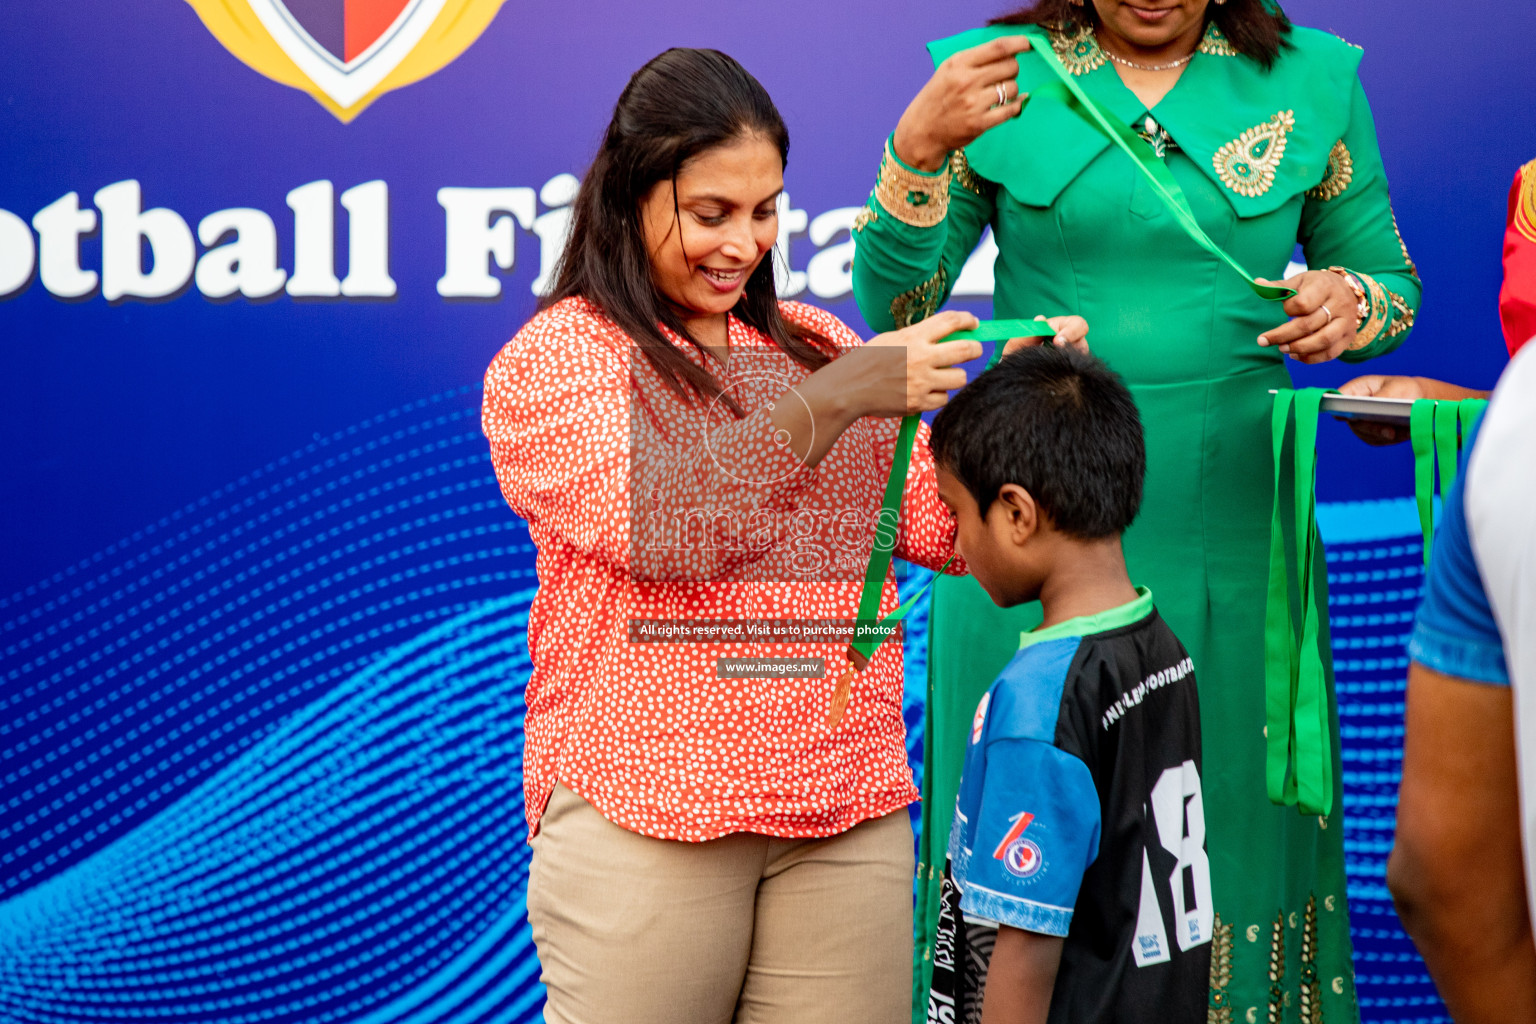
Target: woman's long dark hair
x,y
1256,28
677,106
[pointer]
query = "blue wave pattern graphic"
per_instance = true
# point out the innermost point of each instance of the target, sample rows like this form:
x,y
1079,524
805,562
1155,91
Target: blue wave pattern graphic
x,y
261,761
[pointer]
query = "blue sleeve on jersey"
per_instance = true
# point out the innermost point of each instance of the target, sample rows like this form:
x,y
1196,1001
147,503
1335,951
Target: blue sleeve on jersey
x,y
1036,831
1455,633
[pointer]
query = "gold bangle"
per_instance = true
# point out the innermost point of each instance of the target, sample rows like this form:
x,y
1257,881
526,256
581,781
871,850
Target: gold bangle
x,y
1378,315
917,199
1362,304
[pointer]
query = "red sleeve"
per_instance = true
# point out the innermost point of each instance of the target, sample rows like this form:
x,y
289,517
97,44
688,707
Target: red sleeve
x,y
1517,298
927,526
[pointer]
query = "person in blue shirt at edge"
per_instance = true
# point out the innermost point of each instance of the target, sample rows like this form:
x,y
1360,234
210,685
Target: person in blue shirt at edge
x,y
1076,886
1464,854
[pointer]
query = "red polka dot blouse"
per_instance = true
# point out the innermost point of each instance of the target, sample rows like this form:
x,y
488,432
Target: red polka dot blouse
x,y
659,519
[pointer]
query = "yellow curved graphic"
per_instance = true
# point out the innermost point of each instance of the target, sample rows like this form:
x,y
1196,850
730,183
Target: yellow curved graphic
x,y
235,25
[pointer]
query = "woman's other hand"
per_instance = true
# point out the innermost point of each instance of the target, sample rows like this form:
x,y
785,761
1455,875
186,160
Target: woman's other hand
x,y
1070,330
1323,317
969,92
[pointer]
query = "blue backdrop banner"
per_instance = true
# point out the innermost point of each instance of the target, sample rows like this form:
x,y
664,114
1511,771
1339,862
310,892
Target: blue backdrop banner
x,y
262,608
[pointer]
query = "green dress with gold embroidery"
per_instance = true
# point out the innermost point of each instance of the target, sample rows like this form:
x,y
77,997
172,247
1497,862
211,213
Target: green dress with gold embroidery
x,y
1267,159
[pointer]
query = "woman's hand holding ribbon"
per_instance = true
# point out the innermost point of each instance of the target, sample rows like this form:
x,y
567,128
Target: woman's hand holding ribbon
x,y
969,92
874,380
1323,318
890,387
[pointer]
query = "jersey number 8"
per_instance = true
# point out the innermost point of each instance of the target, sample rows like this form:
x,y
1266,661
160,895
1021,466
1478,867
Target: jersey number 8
x,y
1179,814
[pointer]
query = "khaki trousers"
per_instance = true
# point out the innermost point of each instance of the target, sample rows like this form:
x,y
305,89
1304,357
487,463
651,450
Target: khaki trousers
x,y
745,928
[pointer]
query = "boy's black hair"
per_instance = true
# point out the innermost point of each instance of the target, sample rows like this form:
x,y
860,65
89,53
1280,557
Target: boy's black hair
x,y
1058,423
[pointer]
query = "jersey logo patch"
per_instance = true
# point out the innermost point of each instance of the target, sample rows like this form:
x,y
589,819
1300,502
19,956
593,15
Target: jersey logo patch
x,y
1021,856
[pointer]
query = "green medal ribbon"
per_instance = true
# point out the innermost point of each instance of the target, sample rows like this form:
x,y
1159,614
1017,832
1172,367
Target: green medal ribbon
x,y
1141,154
1421,434
1298,745
1298,764
888,522
1437,431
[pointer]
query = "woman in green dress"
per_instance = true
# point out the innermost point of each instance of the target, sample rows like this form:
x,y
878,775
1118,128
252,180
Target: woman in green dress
x,y
1267,130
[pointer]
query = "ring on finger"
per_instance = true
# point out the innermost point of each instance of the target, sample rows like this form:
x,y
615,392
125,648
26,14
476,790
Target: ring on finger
x,y
1330,315
1002,95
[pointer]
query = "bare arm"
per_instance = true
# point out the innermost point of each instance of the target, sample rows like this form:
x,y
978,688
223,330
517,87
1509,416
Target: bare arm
x,y
1455,872
1409,387
877,379
1021,977
1377,386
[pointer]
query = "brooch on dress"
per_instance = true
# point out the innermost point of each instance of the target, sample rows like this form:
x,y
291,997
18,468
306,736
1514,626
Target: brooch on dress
x,y
1247,164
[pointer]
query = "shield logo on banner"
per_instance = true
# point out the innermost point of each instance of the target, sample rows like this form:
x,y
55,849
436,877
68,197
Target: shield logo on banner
x,y
346,53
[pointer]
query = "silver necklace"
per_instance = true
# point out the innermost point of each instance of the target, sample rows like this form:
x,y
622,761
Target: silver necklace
x,y
1149,67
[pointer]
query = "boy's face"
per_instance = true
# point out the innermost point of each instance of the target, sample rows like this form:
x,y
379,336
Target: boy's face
x,y
993,545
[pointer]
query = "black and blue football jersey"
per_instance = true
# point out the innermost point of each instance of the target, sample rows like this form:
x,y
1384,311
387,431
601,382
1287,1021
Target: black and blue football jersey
x,y
1080,815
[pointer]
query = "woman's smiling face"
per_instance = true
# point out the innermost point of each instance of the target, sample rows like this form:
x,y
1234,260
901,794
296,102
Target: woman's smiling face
x,y
1151,24
725,220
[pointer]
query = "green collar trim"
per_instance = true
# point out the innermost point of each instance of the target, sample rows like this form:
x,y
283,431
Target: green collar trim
x,y
1261,136
1099,622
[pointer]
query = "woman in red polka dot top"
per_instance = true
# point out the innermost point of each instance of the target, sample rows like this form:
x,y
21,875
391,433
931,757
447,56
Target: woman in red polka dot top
x,y
698,461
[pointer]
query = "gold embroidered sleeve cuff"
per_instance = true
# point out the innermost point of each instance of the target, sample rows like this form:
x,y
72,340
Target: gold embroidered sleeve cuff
x,y
1402,315
912,197
960,173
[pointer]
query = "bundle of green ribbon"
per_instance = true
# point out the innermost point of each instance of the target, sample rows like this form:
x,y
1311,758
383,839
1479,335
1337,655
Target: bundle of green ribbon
x,y
1437,431
1299,754
1298,767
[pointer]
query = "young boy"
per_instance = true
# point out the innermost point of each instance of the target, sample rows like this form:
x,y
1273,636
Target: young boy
x,y
1077,886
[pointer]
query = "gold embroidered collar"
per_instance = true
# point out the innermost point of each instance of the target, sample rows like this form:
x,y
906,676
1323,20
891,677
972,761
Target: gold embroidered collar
x,y
1079,50
1262,137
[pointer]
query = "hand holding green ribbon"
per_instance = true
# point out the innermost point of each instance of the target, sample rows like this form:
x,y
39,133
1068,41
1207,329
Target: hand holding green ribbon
x,y
869,633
